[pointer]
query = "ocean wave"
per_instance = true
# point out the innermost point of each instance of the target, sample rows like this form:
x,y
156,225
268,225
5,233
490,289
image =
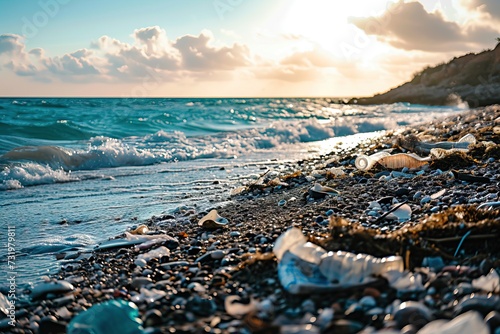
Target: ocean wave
x,y
49,163
17,176
58,130
39,103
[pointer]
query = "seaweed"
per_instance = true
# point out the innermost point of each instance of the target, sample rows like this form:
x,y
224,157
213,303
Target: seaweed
x,y
437,235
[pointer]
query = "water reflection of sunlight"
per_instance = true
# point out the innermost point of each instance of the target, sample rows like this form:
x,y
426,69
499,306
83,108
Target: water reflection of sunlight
x,y
339,144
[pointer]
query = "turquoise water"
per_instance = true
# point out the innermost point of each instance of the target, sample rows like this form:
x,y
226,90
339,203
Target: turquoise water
x,y
76,171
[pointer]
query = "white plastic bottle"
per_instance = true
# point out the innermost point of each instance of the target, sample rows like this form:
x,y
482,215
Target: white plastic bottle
x,y
366,162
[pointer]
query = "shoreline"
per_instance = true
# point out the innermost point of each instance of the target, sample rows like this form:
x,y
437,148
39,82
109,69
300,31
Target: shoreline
x,y
191,290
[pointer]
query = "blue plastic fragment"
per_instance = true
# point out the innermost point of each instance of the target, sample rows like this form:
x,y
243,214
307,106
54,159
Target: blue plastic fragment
x,y
110,317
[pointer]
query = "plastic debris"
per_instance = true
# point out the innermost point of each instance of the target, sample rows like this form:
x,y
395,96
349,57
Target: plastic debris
x,y
58,287
4,304
405,282
488,283
470,322
111,317
148,296
148,237
489,205
117,243
147,241
318,191
470,178
366,162
156,253
401,214
236,309
412,143
401,160
335,172
213,221
305,267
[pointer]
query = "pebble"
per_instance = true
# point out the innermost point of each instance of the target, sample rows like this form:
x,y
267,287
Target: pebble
x,y
426,199
139,282
492,320
402,192
413,313
152,318
50,325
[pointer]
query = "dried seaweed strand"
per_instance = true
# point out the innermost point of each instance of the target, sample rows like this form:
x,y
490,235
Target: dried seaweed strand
x,y
450,239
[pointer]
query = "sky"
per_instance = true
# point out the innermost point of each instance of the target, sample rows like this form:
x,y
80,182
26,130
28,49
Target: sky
x,y
232,48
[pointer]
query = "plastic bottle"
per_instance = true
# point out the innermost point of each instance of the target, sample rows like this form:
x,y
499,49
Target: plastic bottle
x,y
111,317
366,162
349,268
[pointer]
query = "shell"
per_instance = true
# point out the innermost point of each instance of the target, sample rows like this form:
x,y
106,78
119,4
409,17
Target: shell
x,y
213,221
143,229
402,160
319,191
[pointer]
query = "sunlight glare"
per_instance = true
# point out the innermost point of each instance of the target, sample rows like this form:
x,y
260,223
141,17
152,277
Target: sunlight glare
x,y
326,22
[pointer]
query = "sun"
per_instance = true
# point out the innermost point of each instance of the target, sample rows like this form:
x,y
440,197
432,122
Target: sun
x,y
326,22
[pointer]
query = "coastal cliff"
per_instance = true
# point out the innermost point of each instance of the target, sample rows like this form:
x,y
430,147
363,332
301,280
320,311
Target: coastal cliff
x,y
472,78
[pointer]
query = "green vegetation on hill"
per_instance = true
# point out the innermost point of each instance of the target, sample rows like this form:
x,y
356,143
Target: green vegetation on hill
x,y
472,78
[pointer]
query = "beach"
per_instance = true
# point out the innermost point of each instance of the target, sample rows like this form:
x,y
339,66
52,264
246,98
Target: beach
x,y
224,279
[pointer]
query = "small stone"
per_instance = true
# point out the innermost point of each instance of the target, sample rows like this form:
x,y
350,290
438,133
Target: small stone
x,y
343,326
193,250
50,325
370,291
139,282
234,234
435,209
492,320
402,191
412,313
426,199
140,263
368,302
152,318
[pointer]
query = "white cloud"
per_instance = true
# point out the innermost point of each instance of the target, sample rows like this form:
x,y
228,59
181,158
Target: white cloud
x,y
490,8
409,26
152,54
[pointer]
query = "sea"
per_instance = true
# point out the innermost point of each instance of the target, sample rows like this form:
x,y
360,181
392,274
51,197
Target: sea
x,y
77,171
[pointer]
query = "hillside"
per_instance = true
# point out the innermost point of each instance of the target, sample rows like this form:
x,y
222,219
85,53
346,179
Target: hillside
x,y
474,78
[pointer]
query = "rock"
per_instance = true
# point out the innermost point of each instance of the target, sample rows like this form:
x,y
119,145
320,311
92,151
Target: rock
x,y
50,325
201,306
480,303
152,318
43,289
343,326
139,282
412,313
